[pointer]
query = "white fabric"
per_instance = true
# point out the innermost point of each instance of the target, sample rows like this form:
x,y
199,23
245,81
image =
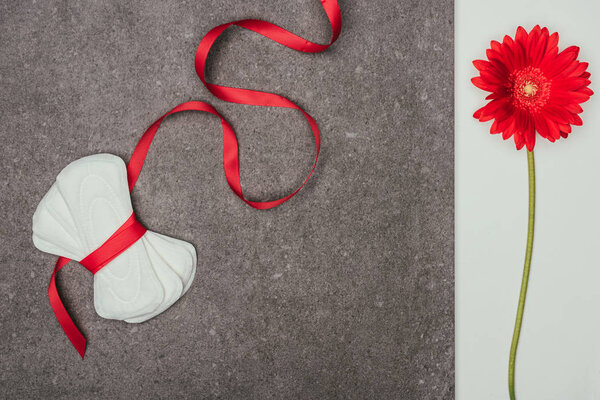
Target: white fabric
x,y
88,202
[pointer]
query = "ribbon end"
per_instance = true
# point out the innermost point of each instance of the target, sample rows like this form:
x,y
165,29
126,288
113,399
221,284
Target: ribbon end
x,y
81,350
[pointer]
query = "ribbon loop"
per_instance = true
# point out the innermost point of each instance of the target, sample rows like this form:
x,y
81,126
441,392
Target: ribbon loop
x,y
243,96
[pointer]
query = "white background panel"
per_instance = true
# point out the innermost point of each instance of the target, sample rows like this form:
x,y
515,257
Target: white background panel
x,y
559,352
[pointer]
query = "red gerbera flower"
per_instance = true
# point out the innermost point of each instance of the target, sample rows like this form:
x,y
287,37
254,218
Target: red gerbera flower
x,y
534,87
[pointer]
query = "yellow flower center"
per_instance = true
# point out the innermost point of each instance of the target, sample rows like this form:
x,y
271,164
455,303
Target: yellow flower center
x,y
529,89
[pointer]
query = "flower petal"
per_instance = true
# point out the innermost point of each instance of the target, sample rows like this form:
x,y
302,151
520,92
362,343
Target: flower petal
x,y
483,85
562,61
529,132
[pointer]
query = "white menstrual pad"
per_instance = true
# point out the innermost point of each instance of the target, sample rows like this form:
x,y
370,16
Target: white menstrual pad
x,y
88,202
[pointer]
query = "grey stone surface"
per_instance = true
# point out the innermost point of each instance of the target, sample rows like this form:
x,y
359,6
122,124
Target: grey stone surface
x,y
345,292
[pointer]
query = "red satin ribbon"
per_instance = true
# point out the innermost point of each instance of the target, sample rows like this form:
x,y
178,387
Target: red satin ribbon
x,y
131,231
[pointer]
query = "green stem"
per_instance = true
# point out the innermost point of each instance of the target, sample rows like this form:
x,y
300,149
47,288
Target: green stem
x,y
524,282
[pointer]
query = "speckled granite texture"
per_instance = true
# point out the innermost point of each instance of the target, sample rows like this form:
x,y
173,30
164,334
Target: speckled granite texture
x,y
345,292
